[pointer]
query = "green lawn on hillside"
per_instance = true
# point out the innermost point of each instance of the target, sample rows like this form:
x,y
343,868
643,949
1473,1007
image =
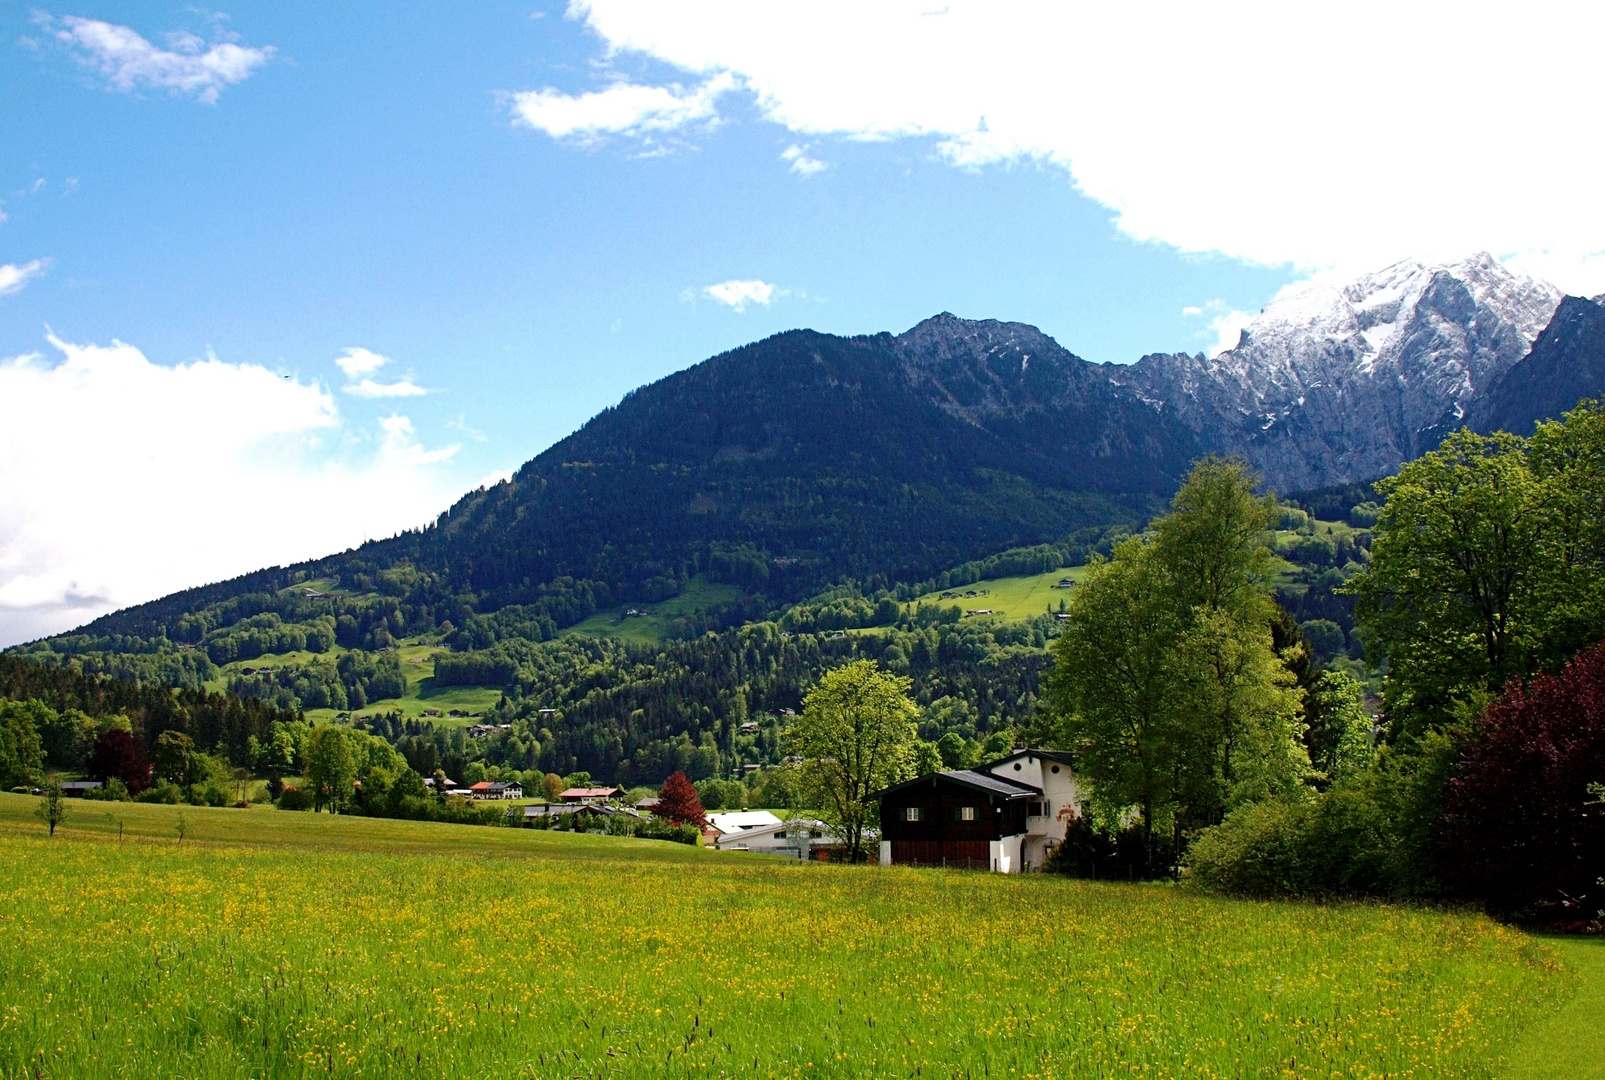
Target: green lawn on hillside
x,y
417,663
275,944
653,625
1010,597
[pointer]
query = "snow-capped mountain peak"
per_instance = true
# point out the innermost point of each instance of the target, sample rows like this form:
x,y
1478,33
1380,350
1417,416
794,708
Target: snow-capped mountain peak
x,y
1345,381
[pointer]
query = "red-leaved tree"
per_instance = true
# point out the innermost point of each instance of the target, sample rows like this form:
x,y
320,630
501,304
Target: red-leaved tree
x,y
678,802
1522,831
117,754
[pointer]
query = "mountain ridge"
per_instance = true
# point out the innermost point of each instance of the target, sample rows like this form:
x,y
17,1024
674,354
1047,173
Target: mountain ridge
x,y
806,458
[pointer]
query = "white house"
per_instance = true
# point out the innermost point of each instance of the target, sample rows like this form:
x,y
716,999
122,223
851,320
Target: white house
x,y
800,838
736,821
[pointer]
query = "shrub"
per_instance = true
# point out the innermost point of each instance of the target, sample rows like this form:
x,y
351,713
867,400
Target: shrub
x,y
295,799
1091,852
114,790
1521,830
684,833
1370,834
164,792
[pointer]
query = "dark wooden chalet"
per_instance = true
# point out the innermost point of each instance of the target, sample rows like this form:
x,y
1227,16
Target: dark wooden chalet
x,y
952,818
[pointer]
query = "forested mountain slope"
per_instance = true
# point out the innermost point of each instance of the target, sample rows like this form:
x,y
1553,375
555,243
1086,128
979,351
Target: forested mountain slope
x,y
796,462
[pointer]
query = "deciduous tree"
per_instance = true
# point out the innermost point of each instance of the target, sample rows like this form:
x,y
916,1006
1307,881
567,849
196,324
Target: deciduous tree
x,y
1522,828
678,802
331,768
52,808
20,755
856,735
116,754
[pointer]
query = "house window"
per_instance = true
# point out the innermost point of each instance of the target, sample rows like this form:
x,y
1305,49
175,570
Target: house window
x,y
913,813
966,813
1034,809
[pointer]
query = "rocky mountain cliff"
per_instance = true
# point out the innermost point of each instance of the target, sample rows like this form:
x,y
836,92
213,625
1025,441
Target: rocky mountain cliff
x,y
1567,363
1335,384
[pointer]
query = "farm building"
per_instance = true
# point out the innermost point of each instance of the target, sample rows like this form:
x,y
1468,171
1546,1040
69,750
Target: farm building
x,y
1007,815
79,788
588,812
796,839
590,794
498,789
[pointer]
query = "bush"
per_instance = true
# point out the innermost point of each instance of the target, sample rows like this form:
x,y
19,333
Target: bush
x,y
1370,834
1521,829
1090,852
656,829
164,792
114,790
295,799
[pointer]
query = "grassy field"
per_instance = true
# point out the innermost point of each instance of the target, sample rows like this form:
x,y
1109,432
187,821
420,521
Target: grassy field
x,y
1570,1045
652,627
417,663
1011,597
271,944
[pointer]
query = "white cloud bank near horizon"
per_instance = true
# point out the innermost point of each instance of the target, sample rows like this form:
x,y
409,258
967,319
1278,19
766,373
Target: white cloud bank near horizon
x,y
122,480
1309,136
128,61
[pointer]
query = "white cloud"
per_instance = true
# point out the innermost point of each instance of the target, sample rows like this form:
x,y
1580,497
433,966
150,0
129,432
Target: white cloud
x,y
628,109
13,276
1268,132
128,61
122,480
1225,323
359,361
367,388
801,163
736,295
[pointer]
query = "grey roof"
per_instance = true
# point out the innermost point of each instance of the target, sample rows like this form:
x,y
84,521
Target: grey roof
x,y
977,781
996,785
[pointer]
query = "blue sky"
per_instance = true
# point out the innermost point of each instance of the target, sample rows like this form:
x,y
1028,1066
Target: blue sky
x,y
529,212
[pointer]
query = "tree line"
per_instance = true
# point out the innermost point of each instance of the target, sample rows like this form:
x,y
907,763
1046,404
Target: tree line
x,y
1484,602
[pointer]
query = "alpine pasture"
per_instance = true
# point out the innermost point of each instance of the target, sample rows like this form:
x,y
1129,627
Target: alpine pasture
x,y
266,944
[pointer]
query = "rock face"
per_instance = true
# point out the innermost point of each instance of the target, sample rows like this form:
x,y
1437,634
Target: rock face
x,y
1340,384
1567,363
1024,388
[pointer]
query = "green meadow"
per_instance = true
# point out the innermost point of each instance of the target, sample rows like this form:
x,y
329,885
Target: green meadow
x,y
652,626
1010,597
273,944
417,663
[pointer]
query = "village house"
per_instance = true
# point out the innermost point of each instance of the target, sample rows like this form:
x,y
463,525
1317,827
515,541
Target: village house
x,y
800,838
77,789
590,794
498,789
579,812
734,822
1007,815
